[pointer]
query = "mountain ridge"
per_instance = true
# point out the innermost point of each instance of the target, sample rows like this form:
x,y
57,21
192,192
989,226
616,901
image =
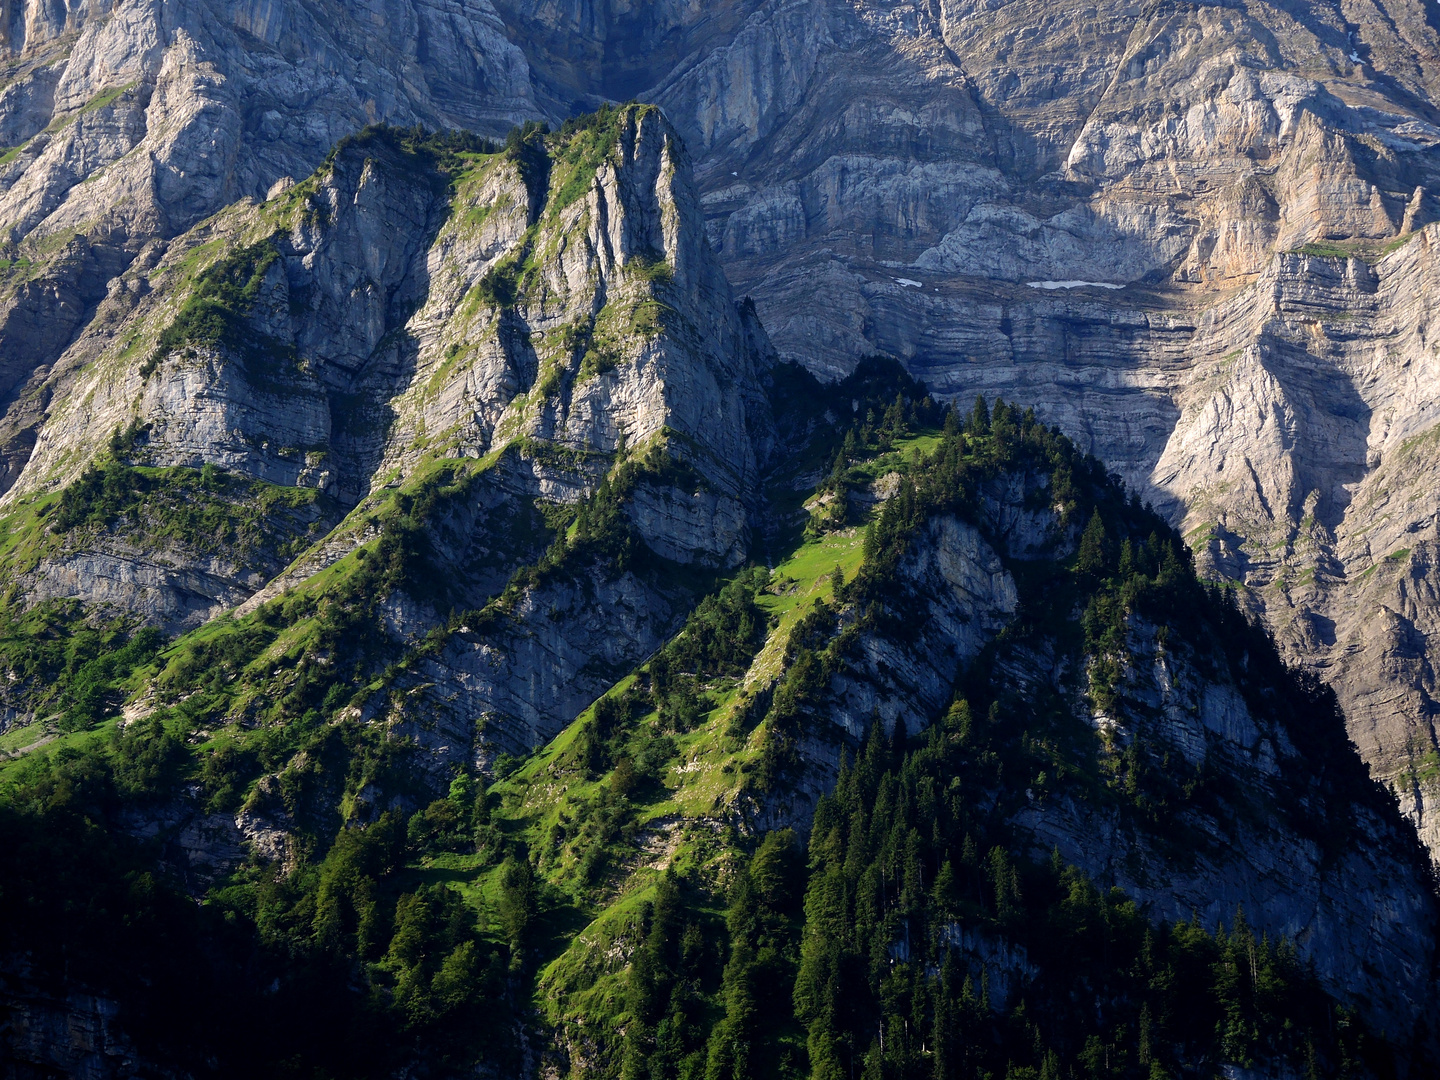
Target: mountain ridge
x,y
1201,157
675,765
446,466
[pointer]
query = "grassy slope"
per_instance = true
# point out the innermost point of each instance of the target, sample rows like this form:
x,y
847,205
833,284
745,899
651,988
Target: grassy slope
x,y
684,822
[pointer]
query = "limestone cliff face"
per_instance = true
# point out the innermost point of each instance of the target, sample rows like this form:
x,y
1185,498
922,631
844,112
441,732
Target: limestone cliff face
x,y
527,321
129,122
1108,145
1302,465
1323,862
971,597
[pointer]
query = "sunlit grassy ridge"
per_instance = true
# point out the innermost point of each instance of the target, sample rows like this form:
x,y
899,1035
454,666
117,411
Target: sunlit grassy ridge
x,y
683,818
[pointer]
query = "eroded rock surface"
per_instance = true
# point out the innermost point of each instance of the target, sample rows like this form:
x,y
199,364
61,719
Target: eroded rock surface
x,y
1082,209
1300,840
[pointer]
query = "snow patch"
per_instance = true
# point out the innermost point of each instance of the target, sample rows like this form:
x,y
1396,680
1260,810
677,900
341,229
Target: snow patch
x,y
908,283
1073,285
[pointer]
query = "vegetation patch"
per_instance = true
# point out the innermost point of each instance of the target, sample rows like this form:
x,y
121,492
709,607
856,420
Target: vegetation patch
x,y
69,669
207,509
99,101
1370,251
216,315
583,145
500,286
439,158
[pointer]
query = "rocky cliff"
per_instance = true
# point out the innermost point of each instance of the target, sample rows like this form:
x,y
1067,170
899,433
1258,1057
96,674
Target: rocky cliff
x,y
1063,207
1059,208
418,338
422,445
1100,707
966,597
128,123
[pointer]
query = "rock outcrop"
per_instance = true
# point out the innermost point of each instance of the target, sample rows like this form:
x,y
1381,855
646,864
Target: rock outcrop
x,y
1059,209
68,1033
1293,835
525,320
129,122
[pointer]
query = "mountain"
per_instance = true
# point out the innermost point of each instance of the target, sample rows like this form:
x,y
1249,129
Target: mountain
x,y
451,469
441,352
934,182
450,630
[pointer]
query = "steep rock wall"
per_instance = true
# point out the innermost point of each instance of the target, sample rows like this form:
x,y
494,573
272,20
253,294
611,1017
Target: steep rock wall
x,y
1327,863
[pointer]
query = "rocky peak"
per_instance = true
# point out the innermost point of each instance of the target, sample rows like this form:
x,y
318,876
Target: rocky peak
x,y
133,121
415,302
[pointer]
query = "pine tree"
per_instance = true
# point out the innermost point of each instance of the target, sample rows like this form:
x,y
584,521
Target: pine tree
x,y
1091,557
952,424
517,903
979,417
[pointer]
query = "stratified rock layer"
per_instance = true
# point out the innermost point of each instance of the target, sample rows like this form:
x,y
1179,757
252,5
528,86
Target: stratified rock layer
x,y
1067,207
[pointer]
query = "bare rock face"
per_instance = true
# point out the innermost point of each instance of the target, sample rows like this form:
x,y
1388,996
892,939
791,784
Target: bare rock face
x,y
1101,145
971,598
129,122
1343,869
69,1034
527,322
1301,464
175,590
